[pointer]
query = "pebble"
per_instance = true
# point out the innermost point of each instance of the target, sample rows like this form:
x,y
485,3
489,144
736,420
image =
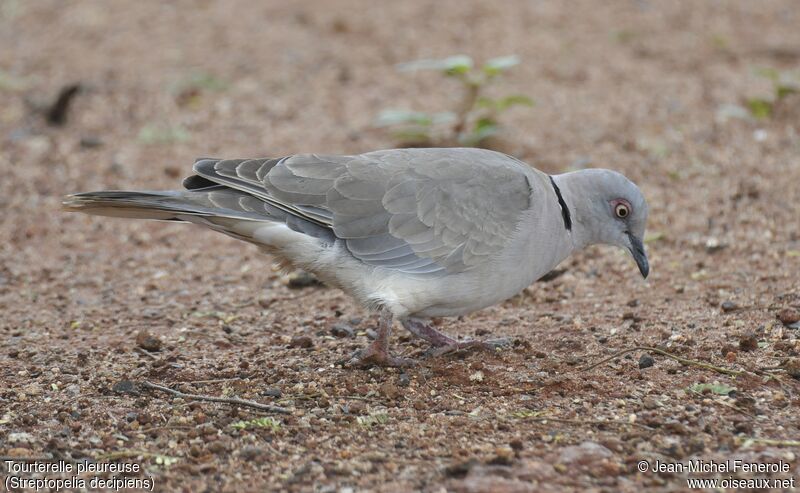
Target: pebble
x,y
646,361
148,341
250,453
216,447
272,393
301,279
404,380
789,316
124,387
729,306
342,330
748,342
302,342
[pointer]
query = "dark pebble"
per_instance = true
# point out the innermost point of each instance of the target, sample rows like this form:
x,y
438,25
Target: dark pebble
x,y
342,330
124,387
789,316
302,342
301,279
147,341
250,453
748,342
272,393
646,361
371,334
729,306
404,380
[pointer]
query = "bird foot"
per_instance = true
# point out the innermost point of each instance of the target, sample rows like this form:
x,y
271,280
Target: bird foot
x,y
490,345
372,356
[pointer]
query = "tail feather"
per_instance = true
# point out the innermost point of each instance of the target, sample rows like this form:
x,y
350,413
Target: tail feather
x,y
164,206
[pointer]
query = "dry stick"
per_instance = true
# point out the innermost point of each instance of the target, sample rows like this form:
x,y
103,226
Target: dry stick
x,y
587,422
777,443
683,361
229,400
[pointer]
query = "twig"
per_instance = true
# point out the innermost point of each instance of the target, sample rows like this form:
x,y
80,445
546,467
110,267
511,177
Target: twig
x,y
229,400
777,443
146,353
586,422
683,361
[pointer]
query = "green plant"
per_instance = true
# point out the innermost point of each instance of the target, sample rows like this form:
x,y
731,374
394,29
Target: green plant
x,y
265,422
476,117
783,85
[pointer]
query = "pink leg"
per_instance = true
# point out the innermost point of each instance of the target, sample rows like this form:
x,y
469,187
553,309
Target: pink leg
x,y
443,343
377,353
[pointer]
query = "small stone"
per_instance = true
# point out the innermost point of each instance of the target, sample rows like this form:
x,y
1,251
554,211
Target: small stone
x,y
272,393
713,245
390,390
729,306
792,367
789,316
301,279
504,456
748,342
342,330
18,452
20,437
250,453
124,387
91,142
304,342
147,341
371,334
216,447
404,380
646,361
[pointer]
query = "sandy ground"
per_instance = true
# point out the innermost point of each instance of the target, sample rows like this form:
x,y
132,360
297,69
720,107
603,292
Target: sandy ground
x,y
637,86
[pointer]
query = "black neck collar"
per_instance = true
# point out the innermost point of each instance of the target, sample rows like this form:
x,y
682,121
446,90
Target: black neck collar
x,y
564,209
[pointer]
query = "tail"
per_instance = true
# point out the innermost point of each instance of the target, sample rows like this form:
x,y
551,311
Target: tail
x,y
163,206
228,211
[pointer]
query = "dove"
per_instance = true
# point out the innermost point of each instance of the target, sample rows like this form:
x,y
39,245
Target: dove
x,y
412,234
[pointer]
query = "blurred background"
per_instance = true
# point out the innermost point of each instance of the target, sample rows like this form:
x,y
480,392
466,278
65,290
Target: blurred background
x,y
696,101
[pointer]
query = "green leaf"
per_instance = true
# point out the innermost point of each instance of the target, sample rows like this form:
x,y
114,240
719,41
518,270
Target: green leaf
x,y
769,73
162,134
484,128
760,108
781,91
396,117
373,419
500,64
412,136
454,65
514,100
714,388
12,83
265,422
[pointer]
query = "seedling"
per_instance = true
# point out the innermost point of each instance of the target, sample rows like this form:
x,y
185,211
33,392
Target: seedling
x,y
373,419
783,85
266,422
474,120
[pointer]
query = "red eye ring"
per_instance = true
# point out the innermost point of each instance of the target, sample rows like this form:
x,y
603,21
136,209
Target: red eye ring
x,y
622,208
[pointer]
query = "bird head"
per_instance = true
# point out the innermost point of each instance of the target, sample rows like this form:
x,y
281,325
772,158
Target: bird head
x,y
610,209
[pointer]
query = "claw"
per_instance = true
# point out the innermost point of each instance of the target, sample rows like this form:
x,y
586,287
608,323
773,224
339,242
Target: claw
x,y
491,345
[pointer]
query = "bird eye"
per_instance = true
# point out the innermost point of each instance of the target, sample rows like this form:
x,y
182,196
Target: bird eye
x,y
622,211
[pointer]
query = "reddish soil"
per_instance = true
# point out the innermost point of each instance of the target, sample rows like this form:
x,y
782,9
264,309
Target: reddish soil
x,y
637,86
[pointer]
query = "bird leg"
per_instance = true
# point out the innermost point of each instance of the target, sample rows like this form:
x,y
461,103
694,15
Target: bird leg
x,y
443,343
377,353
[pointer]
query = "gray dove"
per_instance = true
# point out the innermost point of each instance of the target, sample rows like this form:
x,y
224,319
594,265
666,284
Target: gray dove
x,y
409,233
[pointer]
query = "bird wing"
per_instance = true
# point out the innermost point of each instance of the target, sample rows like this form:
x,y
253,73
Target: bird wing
x,y
419,211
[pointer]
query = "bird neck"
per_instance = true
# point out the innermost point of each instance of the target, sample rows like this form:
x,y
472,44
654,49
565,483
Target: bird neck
x,y
574,187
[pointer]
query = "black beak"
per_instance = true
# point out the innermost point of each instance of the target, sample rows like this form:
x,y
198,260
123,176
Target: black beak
x,y
639,255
